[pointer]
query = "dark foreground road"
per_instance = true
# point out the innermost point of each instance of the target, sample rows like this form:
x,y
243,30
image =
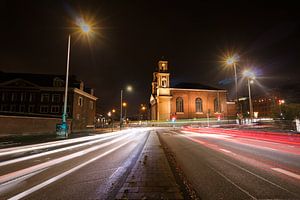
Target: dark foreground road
x,y
234,166
82,168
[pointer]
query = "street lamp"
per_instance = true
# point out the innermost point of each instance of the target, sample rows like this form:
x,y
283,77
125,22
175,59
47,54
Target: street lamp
x,y
125,106
231,61
129,89
280,102
250,77
143,109
63,127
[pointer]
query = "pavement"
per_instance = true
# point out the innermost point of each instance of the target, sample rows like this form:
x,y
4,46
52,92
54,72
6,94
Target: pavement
x,y
151,176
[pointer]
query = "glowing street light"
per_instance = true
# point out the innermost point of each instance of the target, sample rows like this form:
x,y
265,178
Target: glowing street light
x,y
250,77
63,127
129,89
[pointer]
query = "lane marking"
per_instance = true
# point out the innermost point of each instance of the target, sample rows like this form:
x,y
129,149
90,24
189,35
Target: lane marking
x,y
55,178
233,183
28,170
291,174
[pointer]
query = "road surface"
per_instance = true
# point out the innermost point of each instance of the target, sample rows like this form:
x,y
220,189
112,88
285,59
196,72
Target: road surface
x,y
230,164
91,167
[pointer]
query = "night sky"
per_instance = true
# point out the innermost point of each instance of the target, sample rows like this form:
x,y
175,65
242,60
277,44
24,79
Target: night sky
x,y
131,36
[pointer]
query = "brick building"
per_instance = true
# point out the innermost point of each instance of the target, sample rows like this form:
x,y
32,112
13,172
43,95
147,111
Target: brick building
x,y
186,100
41,95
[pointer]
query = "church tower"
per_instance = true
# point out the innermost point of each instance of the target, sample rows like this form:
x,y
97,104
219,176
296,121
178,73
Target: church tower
x,y
160,98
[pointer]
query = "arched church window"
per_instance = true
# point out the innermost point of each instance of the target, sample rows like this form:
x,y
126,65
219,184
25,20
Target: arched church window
x,y
216,105
164,82
179,104
198,103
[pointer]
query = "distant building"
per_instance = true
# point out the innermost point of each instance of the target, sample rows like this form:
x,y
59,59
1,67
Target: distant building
x,y
186,100
42,95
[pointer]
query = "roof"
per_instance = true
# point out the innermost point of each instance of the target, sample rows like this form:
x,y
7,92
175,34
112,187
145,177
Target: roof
x,y
184,85
43,80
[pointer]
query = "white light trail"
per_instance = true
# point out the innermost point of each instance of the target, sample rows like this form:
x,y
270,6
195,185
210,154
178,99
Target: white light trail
x,y
13,150
13,175
291,174
53,151
49,181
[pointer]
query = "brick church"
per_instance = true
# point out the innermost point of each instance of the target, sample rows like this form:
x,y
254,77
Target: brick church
x,y
186,100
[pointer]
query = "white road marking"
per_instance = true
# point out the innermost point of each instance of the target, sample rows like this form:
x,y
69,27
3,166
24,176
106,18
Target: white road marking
x,y
53,179
22,172
291,174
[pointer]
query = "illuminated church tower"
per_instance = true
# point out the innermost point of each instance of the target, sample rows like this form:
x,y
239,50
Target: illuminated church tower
x,y
160,97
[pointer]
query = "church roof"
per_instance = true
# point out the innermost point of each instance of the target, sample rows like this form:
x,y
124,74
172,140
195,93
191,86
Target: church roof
x,y
184,85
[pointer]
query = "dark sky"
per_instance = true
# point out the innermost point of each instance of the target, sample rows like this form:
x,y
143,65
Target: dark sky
x,y
133,35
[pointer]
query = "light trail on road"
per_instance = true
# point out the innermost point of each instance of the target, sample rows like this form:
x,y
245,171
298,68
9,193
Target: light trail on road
x,y
259,168
19,182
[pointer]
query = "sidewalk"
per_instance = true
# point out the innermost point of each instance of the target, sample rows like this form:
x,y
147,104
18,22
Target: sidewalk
x,y
151,177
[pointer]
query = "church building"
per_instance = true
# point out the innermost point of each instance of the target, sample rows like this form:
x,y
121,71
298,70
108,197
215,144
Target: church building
x,y
186,100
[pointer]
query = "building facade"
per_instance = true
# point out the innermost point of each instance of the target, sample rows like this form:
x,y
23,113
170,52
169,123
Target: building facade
x,y
186,100
41,95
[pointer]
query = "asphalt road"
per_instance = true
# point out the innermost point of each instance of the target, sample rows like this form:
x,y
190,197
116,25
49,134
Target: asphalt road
x,y
236,166
92,167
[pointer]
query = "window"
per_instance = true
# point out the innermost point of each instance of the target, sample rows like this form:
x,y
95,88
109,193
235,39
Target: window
x,y
45,98
198,103
216,105
179,104
14,96
22,108
31,97
57,82
91,105
22,97
164,81
80,101
44,109
3,96
55,109
4,108
13,108
31,108
56,98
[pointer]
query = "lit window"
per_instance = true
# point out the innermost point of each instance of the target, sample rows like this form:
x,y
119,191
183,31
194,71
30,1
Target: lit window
x,y
179,104
198,103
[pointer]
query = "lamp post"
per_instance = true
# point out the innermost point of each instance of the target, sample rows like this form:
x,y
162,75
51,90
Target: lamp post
x,y
143,109
250,77
125,107
280,102
62,129
231,61
129,89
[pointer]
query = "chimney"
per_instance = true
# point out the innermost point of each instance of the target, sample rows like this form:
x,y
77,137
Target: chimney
x,y
92,92
81,87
